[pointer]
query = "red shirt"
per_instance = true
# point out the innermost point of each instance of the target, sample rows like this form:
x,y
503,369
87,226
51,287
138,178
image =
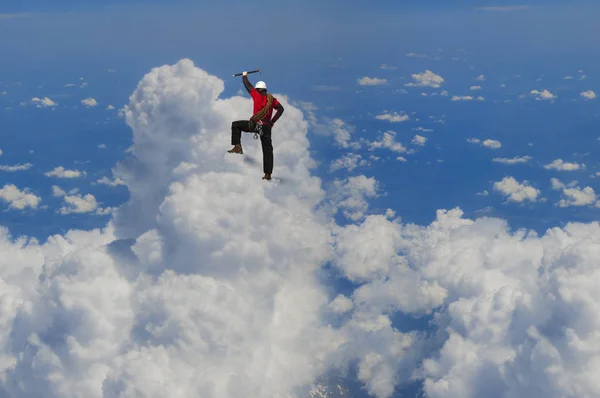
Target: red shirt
x,y
260,101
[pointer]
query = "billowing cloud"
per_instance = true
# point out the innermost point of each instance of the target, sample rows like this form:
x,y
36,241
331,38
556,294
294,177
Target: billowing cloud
x,y
350,195
426,79
515,191
371,81
18,199
208,281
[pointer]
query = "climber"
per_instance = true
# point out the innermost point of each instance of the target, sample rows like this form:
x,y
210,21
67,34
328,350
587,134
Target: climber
x,y
261,123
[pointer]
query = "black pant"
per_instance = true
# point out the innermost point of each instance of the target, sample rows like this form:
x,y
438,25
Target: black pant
x,y
267,145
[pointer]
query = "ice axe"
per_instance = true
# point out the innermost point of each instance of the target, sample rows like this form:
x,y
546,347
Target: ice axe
x,y
252,71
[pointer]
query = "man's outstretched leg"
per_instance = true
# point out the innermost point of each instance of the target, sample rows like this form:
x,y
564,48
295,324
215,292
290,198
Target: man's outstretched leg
x,y
267,150
236,135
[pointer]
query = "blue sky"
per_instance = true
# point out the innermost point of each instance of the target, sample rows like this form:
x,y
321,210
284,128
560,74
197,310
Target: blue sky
x,y
316,53
326,45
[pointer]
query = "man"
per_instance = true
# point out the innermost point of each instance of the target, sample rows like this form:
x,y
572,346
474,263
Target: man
x,y
260,123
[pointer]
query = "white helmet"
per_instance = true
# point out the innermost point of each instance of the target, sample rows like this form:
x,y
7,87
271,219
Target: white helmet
x,y
261,84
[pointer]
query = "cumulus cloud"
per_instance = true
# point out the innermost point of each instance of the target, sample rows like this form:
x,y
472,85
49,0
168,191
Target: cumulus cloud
x,y
559,164
350,195
426,79
393,117
371,81
515,191
75,203
342,134
348,162
418,140
387,141
589,94
488,143
61,172
43,102
207,282
573,195
112,183
89,102
492,144
19,199
543,95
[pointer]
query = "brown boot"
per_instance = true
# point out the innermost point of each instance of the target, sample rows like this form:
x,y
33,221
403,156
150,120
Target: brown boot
x,y
267,177
236,149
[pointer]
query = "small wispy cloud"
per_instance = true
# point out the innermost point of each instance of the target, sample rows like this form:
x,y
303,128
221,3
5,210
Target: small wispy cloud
x,y
16,15
515,160
17,167
325,87
504,8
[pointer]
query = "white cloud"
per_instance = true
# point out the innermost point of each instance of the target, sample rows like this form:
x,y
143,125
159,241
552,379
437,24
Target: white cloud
x,y
208,281
480,77
589,94
61,172
89,102
393,117
488,143
578,197
573,195
17,167
387,141
350,196
19,199
559,164
348,162
492,144
342,134
426,79
475,88
461,98
341,304
419,140
514,160
110,107
371,81
515,191
415,55
113,183
543,95
43,102
385,66
102,146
